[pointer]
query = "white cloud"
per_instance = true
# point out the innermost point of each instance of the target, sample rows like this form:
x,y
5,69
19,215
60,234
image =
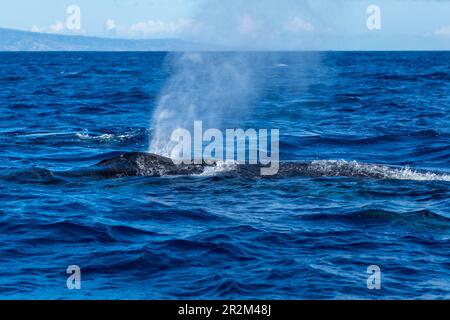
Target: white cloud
x,y
158,28
36,29
444,31
248,25
297,25
110,25
57,27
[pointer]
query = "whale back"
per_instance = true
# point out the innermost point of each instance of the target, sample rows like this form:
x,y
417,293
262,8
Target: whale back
x,y
144,164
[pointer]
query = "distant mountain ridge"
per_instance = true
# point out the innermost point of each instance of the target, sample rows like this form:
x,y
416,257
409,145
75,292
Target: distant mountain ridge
x,y
16,40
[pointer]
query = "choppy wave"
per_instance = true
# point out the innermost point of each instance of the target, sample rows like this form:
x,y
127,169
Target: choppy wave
x,y
377,216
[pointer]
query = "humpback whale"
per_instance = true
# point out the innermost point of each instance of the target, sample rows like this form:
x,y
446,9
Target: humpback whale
x,y
131,164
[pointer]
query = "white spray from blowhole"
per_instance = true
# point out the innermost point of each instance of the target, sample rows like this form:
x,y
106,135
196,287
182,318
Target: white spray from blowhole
x,y
215,88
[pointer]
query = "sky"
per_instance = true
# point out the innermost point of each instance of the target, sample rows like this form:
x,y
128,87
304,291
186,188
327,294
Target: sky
x,y
247,24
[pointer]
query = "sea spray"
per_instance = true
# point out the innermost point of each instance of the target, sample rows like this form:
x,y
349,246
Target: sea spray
x,y
216,88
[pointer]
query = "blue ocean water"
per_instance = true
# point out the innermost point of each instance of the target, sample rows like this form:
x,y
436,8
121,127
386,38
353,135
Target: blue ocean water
x,y
221,237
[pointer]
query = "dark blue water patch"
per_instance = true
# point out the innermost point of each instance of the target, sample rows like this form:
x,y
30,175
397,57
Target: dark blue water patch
x,y
221,236
32,175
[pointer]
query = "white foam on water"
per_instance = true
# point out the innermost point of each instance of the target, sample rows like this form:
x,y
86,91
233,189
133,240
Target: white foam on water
x,y
338,167
219,167
43,134
103,137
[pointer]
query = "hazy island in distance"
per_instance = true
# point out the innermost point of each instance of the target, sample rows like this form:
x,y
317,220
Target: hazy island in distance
x,y
16,40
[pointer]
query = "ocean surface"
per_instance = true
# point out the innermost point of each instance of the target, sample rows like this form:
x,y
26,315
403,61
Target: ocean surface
x,y
215,236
